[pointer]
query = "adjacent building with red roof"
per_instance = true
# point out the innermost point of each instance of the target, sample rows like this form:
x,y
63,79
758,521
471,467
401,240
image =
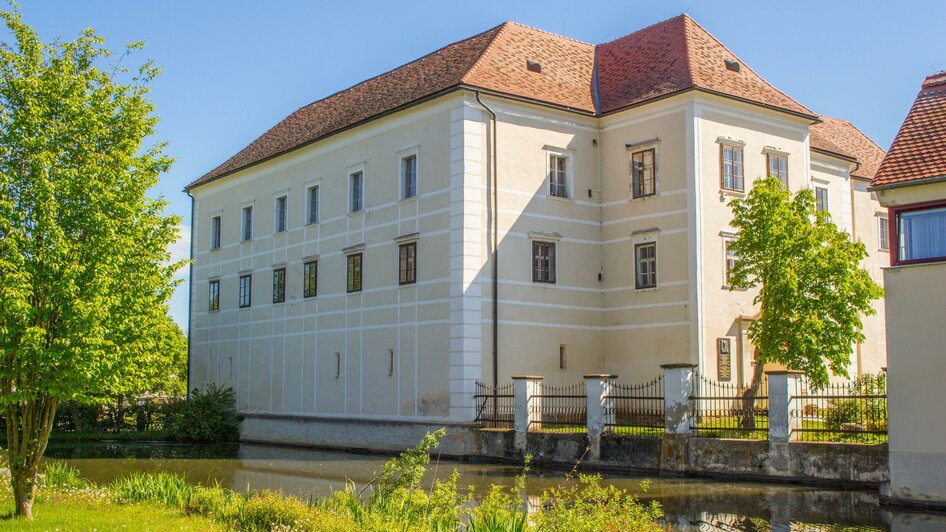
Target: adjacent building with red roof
x,y
517,202
911,182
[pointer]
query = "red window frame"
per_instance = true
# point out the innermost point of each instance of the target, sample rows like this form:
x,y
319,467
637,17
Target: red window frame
x,y
893,232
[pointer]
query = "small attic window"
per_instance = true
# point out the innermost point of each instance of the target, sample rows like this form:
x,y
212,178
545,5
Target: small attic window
x,y
534,66
732,65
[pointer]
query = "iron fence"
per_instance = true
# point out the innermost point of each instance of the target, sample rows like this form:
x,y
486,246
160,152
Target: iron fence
x,y
854,411
724,410
637,409
495,406
558,408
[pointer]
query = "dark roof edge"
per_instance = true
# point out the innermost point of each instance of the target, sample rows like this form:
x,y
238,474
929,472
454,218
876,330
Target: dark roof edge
x,y
814,118
912,182
838,155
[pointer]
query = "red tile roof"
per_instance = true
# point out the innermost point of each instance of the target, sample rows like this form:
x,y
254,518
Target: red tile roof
x,y
843,138
668,57
919,150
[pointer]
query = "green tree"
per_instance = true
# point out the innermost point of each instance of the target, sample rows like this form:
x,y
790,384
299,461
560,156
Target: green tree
x,y
84,268
812,288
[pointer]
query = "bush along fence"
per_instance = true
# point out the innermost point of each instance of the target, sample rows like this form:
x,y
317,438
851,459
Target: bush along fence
x,y
680,401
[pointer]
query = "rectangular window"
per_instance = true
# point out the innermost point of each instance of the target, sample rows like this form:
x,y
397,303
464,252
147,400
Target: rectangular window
x,y
643,173
246,288
731,260
215,232
883,233
821,199
247,223
732,168
407,263
543,262
279,285
214,295
558,176
645,257
778,167
354,273
922,234
282,213
357,192
409,177
310,279
312,204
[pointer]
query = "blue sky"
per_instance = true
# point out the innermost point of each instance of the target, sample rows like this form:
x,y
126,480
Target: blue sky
x,y
233,69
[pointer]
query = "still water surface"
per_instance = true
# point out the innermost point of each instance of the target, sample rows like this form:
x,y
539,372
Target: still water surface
x,y
689,504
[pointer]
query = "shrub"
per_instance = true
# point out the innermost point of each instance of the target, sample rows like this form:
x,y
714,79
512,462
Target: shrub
x,y
60,475
170,490
870,413
591,507
270,510
208,416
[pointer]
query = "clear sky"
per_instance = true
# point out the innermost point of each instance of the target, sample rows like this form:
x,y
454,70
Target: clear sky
x,y
232,69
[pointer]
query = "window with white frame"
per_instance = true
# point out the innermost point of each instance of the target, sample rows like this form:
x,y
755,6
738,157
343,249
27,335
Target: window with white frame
x,y
215,232
645,261
543,261
644,173
777,167
821,199
731,259
282,214
409,176
883,233
247,223
246,289
312,204
558,175
731,168
356,191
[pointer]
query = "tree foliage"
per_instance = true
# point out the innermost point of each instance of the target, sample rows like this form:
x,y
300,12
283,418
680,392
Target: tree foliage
x,y
84,268
812,288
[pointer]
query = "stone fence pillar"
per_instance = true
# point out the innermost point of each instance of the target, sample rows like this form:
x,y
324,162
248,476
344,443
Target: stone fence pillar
x,y
782,421
524,387
599,414
678,387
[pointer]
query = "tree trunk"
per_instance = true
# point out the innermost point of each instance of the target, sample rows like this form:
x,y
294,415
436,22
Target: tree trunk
x,y
748,396
76,417
29,423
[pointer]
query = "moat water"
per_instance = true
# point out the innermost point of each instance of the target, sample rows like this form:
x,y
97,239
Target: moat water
x,y
688,504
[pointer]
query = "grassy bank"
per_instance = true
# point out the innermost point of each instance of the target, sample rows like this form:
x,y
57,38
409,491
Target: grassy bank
x,y
395,500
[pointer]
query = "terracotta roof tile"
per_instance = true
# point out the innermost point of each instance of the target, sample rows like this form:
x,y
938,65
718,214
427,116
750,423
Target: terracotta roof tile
x,y
919,149
842,137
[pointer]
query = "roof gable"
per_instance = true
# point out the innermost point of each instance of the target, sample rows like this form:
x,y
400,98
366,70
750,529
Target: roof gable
x,y
843,138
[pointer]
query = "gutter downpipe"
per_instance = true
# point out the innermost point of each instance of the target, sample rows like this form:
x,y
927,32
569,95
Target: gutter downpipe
x,y
495,209
190,297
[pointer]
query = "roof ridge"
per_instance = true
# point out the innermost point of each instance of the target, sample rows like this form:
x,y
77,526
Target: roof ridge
x,y
473,66
643,29
686,47
741,62
540,30
848,122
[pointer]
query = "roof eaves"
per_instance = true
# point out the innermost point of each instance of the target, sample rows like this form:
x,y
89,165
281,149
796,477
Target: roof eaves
x,y
836,154
907,183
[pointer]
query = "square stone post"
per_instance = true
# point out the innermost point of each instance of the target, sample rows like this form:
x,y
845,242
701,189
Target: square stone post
x,y
782,422
678,387
524,388
599,414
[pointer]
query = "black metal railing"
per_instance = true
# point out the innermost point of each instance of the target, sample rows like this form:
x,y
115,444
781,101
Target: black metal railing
x,y
495,406
724,410
636,409
854,411
558,408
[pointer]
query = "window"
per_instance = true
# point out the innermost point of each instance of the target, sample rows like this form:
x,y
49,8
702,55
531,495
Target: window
x,y
561,356
282,213
778,167
310,279
354,272
407,263
922,234
279,285
821,199
357,192
643,173
247,223
409,177
558,176
732,168
731,260
214,295
883,233
645,257
246,287
543,262
312,204
215,232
